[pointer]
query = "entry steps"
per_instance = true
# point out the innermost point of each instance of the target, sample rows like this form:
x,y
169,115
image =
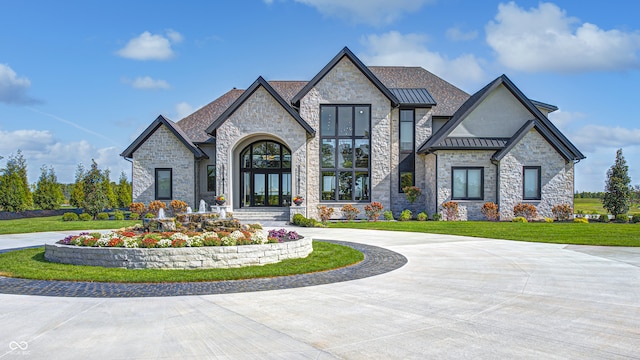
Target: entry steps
x,y
267,214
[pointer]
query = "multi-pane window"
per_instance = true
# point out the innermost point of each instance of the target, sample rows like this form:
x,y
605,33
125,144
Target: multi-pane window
x,y
531,183
211,178
467,183
163,188
407,149
345,154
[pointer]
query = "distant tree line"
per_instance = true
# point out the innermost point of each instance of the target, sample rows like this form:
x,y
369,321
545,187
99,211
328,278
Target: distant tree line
x,y
92,189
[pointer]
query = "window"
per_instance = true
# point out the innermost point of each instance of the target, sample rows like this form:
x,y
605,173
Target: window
x,y
467,183
531,183
345,152
211,178
164,184
407,159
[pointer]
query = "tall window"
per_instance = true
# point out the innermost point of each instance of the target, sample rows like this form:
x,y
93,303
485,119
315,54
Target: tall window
x,y
407,166
531,183
164,184
467,183
211,178
344,158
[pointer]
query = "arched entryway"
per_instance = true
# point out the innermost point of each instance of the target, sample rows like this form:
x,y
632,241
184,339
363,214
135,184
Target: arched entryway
x,y
265,174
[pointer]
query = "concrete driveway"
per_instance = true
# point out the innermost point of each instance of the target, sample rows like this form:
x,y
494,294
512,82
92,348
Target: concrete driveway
x,y
456,298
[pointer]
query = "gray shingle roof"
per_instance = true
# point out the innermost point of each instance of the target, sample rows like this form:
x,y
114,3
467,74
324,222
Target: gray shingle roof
x,y
413,97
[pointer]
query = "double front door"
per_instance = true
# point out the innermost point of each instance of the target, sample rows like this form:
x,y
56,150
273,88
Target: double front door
x,y
265,175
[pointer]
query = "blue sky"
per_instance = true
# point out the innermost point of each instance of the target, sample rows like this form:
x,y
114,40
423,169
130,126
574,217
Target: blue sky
x,y
82,79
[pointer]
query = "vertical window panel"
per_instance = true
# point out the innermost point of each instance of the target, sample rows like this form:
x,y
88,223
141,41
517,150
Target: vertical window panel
x,y
531,183
211,178
345,121
328,121
164,184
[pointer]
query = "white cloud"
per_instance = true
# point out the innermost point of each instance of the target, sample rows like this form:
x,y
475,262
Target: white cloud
x,y
394,48
592,137
42,148
183,110
147,82
13,89
149,46
372,12
456,34
546,39
562,119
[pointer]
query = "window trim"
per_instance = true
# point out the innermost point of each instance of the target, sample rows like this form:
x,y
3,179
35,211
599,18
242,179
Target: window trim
x,y
337,169
466,168
539,179
214,179
404,154
157,170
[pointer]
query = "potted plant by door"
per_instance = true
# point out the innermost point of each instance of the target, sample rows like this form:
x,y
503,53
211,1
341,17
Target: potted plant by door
x,y
220,200
298,200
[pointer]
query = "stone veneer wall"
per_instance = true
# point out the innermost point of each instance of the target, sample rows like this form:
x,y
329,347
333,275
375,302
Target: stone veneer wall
x,y
557,176
260,117
469,209
345,84
206,257
163,150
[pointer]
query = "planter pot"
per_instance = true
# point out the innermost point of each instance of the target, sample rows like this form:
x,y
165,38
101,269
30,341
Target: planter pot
x,y
220,202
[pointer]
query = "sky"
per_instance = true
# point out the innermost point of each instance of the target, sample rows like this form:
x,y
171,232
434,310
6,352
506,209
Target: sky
x,y
80,80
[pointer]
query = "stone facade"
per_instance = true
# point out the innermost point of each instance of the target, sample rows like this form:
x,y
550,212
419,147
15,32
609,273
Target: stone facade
x,y
206,257
163,150
346,84
556,176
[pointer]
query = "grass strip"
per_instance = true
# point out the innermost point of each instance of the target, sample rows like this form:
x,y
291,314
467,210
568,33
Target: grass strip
x,y
55,223
30,264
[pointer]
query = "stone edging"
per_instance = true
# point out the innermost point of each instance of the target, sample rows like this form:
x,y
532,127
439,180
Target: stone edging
x,y
376,261
205,257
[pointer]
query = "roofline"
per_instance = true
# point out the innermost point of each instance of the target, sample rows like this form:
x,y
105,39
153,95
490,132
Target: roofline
x,y
260,81
173,127
548,107
336,59
524,130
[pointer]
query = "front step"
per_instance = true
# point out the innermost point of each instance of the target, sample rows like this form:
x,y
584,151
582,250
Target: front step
x,y
261,214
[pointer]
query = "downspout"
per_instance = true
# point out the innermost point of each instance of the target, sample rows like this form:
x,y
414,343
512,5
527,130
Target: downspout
x,y
497,164
196,187
436,178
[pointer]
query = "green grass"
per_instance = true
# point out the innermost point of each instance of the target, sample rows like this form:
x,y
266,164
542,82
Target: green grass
x,y
590,205
30,264
55,223
559,233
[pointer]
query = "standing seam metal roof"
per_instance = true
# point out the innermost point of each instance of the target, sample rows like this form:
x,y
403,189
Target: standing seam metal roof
x,y
412,96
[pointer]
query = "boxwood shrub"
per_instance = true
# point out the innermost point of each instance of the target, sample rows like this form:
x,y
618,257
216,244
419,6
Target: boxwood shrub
x,y
70,216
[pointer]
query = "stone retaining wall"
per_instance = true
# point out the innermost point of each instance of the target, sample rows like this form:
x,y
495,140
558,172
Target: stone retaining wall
x,y
206,257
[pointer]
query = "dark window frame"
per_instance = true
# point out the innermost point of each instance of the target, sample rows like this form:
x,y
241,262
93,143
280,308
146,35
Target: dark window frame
x,y
281,171
406,158
157,170
214,179
337,169
539,180
466,197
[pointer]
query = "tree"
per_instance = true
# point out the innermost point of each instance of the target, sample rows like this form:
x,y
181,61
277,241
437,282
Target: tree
x,y
617,188
76,197
123,191
47,195
14,188
95,198
107,187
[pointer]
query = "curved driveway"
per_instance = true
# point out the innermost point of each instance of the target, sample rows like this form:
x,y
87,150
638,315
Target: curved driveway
x,y
457,297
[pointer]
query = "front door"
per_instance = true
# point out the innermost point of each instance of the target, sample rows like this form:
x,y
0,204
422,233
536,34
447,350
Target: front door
x,y
265,175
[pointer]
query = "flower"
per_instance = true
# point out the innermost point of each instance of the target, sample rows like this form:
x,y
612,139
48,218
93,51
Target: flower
x,y
298,199
221,198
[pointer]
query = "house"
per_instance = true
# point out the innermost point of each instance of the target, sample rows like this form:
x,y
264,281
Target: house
x,y
355,134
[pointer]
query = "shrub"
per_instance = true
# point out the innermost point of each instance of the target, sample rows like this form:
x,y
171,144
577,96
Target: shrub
x,y
490,211
412,193
581,220
635,218
373,210
528,211
548,220
437,217
520,219
422,216
325,213
85,217
350,212
388,215
70,216
300,220
621,219
562,212
118,215
134,216
297,219
178,206
149,216
450,209
155,206
405,215
102,216
137,208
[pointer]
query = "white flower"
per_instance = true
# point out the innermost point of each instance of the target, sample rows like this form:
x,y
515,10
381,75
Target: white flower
x,y
179,236
130,242
236,235
163,243
260,237
103,241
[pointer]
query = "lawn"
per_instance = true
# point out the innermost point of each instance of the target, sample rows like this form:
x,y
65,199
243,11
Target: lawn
x,y
591,205
559,232
30,264
55,223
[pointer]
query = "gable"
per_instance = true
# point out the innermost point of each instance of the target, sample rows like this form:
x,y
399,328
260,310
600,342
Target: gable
x,y
171,129
500,114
